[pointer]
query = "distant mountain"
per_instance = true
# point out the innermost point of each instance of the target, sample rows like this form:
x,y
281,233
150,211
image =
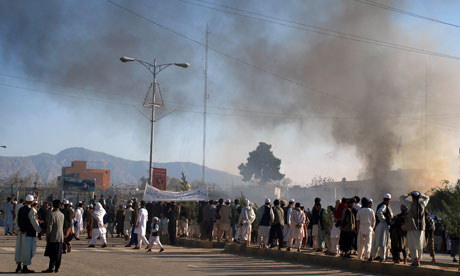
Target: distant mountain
x,y
122,170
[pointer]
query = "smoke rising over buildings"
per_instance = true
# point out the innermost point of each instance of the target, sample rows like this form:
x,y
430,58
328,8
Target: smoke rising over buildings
x,y
387,105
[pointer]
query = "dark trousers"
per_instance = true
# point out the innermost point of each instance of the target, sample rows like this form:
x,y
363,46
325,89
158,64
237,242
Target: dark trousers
x,y
54,252
172,232
207,229
133,239
276,233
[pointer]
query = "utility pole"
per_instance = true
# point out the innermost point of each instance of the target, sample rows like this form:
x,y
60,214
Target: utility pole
x,y
205,99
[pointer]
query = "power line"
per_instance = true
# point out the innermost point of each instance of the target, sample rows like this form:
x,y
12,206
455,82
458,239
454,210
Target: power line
x,y
243,112
227,55
405,12
315,29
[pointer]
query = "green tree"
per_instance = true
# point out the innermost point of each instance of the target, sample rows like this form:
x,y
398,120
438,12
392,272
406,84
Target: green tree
x,y
262,166
444,203
184,186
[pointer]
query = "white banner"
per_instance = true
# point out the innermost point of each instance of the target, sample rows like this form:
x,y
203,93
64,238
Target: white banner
x,y
153,194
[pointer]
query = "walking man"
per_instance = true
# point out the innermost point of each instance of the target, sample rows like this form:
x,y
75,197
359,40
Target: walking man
x,y
141,225
415,224
54,238
78,220
8,216
154,238
27,234
99,230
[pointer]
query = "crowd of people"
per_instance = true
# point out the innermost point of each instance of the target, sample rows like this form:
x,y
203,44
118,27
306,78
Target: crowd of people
x,y
351,227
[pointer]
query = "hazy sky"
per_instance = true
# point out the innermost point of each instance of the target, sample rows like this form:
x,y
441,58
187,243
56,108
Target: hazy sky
x,y
62,84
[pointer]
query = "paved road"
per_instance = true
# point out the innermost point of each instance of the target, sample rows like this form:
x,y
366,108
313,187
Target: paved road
x,y
119,260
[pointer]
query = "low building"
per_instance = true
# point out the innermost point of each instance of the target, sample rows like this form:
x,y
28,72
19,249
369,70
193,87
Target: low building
x,y
79,170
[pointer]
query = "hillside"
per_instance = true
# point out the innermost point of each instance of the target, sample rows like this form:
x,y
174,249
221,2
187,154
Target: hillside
x,y
122,170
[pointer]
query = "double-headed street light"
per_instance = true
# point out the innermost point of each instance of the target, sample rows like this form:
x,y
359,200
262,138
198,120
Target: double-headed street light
x,y
154,69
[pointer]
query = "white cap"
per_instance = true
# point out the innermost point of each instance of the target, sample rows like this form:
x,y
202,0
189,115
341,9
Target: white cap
x,y
29,198
292,200
71,204
15,202
267,200
229,201
387,196
65,202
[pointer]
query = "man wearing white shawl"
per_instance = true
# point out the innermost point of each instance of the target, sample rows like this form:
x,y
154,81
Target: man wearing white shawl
x,y
296,230
99,229
141,225
247,217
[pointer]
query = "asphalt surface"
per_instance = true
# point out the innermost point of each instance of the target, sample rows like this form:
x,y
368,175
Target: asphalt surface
x,y
119,260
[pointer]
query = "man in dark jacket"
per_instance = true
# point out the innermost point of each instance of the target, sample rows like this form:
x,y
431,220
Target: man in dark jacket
x,y
54,238
42,216
120,220
68,233
276,230
171,214
398,236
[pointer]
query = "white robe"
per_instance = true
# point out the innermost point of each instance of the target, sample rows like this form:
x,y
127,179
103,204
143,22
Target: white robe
x,y
382,234
141,225
79,218
247,217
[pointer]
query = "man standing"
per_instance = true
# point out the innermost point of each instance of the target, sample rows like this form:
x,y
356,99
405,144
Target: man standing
x,y
16,211
236,211
141,225
365,221
347,229
315,224
287,221
171,214
27,233
78,220
246,219
276,230
209,216
384,218
225,214
54,238
296,230
42,215
8,216
398,236
415,224
120,218
68,235
127,213
266,218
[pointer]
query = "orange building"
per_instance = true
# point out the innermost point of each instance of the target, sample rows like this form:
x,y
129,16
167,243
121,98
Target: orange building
x,y
78,170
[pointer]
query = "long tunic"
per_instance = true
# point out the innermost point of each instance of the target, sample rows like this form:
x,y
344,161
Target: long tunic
x,y
382,233
79,218
141,222
246,219
297,222
26,246
415,229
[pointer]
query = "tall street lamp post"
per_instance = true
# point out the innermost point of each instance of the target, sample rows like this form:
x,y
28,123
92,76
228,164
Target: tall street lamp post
x,y
154,69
